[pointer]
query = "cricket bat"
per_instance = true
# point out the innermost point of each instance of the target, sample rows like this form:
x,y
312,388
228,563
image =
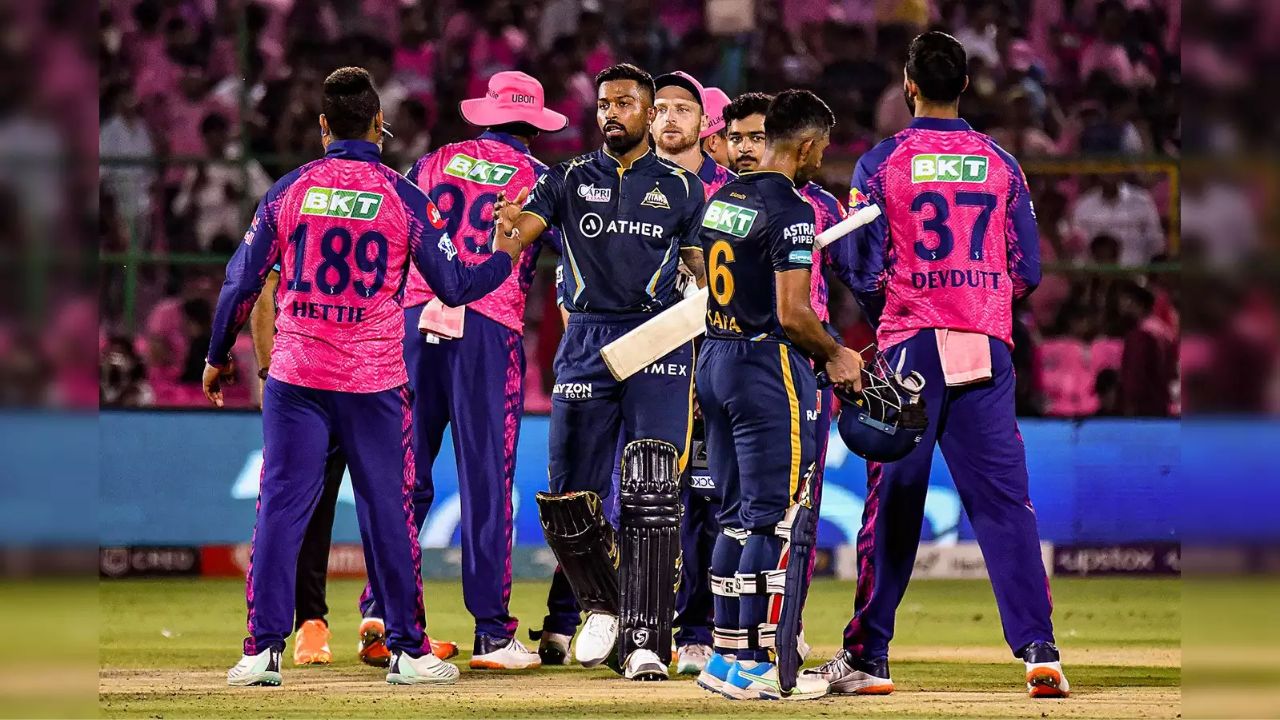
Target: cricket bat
x,y
686,320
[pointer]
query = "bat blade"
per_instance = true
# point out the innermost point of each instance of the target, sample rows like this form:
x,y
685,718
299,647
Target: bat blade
x,y
657,336
686,320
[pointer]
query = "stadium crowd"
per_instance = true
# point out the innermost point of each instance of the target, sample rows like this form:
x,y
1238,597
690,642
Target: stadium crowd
x,y
190,142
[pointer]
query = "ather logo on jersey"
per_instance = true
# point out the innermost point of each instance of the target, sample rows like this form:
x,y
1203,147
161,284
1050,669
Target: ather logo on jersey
x,y
948,168
339,203
732,219
479,171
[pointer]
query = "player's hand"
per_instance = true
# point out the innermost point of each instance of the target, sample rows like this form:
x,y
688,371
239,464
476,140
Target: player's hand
x,y
505,212
212,382
845,370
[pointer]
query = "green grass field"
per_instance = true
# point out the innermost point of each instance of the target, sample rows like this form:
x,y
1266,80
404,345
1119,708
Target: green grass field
x,y
166,644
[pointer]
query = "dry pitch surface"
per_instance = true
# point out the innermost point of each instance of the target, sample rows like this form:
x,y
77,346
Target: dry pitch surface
x,y
165,646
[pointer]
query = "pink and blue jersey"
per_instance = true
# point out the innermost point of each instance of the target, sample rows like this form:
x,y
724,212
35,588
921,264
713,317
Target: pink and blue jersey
x,y
343,230
957,241
714,175
463,179
827,211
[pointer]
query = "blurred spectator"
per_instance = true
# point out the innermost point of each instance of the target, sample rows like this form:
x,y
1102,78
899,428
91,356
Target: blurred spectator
x,y
123,382
1124,210
1021,133
1148,370
125,136
209,198
1108,52
1217,214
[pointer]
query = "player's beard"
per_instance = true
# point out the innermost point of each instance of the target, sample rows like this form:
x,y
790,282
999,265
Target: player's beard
x,y
683,144
624,143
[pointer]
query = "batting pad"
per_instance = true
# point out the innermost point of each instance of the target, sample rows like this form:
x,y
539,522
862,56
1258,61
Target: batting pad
x,y
585,545
650,546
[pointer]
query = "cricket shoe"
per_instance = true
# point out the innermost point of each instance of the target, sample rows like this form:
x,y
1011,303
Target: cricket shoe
x,y
491,653
596,639
849,675
715,675
759,681
444,649
553,648
691,659
425,670
373,643
311,644
644,665
1045,678
260,669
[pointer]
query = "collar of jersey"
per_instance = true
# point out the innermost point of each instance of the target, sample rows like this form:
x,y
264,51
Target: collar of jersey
x,y
767,173
709,163
505,139
929,123
639,162
354,150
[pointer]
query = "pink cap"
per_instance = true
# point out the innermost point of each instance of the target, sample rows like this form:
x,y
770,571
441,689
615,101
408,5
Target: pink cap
x,y
1021,56
713,103
513,97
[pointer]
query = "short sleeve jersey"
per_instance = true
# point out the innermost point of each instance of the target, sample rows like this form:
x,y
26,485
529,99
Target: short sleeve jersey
x,y
753,227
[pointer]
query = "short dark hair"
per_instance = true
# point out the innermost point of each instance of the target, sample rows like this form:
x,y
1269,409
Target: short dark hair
x,y
745,105
350,102
938,64
627,71
795,111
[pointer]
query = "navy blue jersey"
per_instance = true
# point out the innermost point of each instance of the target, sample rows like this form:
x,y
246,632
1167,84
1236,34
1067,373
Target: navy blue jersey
x,y
753,227
622,230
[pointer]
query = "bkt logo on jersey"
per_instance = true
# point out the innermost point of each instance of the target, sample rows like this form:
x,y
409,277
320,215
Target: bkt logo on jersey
x,y
339,203
732,219
479,171
948,168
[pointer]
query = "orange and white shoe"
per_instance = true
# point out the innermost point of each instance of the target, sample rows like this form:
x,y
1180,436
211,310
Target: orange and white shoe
x,y
503,654
373,644
444,649
1045,678
311,644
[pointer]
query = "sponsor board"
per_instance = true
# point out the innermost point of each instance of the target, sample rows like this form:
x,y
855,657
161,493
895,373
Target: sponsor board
x,y
142,561
1119,559
346,560
938,561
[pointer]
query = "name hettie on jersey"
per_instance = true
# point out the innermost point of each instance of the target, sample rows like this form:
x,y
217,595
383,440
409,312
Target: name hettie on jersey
x,y
325,311
935,279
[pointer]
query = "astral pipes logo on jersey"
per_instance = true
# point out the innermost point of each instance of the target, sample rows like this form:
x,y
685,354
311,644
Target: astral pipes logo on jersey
x,y
335,202
572,391
479,171
948,168
732,219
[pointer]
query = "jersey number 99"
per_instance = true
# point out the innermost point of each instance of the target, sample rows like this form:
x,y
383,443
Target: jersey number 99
x,y
719,276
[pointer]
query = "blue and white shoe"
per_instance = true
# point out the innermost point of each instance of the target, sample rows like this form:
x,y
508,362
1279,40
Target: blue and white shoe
x,y
260,669
426,670
759,681
715,674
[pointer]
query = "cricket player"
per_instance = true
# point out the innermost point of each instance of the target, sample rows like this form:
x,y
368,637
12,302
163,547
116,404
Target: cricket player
x,y
758,394
713,137
680,119
626,218
343,228
956,245
745,140
474,384
311,626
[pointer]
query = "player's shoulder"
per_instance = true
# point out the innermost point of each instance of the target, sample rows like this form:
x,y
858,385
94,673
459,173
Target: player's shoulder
x,y
692,184
816,193
985,141
873,160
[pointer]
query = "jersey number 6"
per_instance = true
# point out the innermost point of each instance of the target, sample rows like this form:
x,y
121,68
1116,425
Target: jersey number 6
x,y
720,277
938,223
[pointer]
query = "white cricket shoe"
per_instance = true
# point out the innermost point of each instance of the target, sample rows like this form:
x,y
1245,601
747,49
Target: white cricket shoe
x,y
1045,678
759,681
690,659
596,639
849,675
500,654
260,669
425,670
644,665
